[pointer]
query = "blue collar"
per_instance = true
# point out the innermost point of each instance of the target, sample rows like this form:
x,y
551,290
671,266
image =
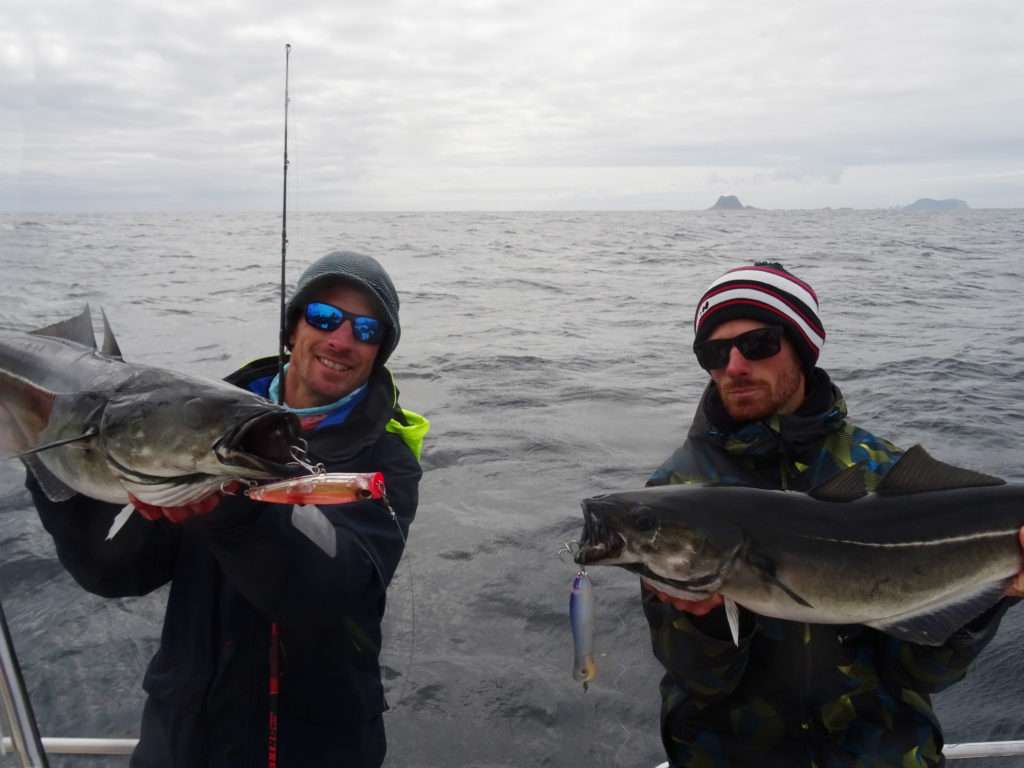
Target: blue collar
x,y
339,410
275,387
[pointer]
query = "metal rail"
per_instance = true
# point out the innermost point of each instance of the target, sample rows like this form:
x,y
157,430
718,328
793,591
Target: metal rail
x,y
969,750
117,747
25,742
983,749
71,746
16,706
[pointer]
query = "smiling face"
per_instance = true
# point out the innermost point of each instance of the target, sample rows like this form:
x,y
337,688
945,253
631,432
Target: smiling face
x,y
327,365
756,389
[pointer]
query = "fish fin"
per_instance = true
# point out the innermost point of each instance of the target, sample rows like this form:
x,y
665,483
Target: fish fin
x,y
732,615
12,436
848,485
54,488
795,597
315,526
77,329
916,471
90,433
766,568
119,521
934,625
24,414
110,347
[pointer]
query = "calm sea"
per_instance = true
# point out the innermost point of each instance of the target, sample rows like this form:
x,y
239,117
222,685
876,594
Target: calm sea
x,y
551,352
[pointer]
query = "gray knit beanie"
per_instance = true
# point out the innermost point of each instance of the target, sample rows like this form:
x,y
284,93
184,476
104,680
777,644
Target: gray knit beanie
x,y
360,270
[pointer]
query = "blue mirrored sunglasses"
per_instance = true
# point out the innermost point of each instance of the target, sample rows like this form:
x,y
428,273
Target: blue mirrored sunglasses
x,y
327,317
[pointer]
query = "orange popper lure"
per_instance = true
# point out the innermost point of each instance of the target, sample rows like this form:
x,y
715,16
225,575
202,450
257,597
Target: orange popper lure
x,y
322,488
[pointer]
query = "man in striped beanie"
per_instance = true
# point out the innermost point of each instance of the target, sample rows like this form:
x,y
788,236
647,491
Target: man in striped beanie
x,y
785,693
758,333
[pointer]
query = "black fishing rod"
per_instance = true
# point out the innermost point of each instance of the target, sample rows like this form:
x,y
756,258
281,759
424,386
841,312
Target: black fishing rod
x,y
274,656
283,340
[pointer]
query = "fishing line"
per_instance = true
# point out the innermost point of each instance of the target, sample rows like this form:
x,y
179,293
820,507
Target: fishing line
x,y
412,600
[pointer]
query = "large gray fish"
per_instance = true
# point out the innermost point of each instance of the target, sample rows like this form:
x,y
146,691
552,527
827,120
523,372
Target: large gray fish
x,y
87,422
931,549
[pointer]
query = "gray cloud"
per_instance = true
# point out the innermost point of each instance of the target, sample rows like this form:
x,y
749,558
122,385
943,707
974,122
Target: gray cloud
x,y
445,105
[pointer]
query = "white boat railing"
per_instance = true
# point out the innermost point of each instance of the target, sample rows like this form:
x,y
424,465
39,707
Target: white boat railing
x,y
73,746
984,749
15,705
968,750
31,749
119,747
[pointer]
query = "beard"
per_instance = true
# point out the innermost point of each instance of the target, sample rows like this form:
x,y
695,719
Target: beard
x,y
753,399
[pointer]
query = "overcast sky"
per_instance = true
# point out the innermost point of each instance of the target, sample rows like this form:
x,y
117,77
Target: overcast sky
x,y
509,104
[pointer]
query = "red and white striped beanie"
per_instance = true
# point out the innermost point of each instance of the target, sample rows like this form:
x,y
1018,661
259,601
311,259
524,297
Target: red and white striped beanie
x,y
765,292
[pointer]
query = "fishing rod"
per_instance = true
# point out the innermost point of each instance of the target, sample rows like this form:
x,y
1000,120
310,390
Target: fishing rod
x,y
274,656
282,338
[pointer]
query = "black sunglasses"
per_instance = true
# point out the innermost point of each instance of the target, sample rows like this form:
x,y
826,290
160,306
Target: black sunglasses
x,y
327,317
757,344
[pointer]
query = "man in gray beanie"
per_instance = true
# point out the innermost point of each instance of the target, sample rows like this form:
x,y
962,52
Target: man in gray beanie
x,y
786,693
269,654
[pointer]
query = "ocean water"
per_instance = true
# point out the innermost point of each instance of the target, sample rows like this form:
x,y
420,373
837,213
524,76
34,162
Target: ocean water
x,y
551,352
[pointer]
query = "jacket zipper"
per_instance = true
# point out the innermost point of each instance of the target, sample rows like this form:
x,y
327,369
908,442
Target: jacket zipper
x,y
272,699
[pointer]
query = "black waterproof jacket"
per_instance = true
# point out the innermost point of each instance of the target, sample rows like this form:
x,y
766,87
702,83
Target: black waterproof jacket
x,y
239,569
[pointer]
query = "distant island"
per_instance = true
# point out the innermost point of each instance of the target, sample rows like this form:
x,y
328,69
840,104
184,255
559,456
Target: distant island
x,y
927,204
923,205
730,203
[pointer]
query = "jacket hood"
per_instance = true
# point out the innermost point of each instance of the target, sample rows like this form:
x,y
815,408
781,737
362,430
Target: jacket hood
x,y
797,435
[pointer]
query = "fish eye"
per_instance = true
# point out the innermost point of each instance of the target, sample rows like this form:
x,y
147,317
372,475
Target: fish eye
x,y
646,521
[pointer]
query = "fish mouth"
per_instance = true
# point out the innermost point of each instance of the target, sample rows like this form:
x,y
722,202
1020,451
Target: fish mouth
x,y
262,445
597,541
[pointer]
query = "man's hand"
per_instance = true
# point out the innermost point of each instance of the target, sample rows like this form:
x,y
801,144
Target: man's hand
x,y
203,506
1016,588
696,607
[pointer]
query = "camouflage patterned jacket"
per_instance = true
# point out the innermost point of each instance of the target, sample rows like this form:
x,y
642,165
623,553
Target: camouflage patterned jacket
x,y
795,694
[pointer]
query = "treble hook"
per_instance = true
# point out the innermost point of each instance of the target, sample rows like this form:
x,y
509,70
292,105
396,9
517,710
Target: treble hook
x,y
224,489
299,457
570,548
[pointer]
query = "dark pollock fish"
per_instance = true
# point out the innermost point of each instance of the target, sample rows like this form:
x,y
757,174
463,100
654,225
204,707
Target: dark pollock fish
x,y
931,549
87,422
